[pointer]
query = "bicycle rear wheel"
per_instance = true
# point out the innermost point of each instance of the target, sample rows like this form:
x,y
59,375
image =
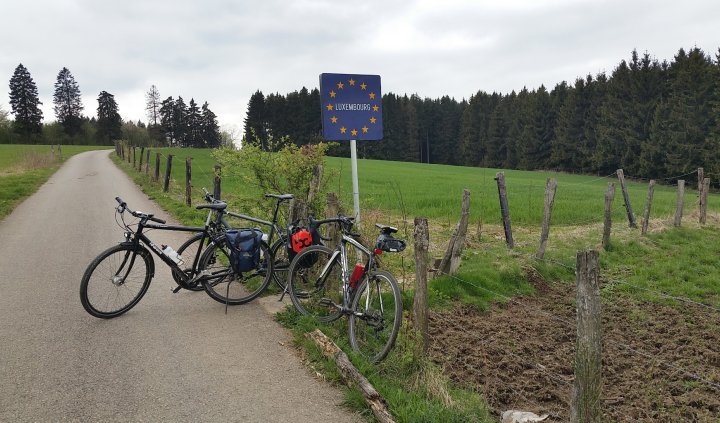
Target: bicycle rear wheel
x,y
116,280
312,292
377,315
225,285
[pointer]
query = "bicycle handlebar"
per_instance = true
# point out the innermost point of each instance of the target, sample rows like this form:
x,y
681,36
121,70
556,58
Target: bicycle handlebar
x,y
123,206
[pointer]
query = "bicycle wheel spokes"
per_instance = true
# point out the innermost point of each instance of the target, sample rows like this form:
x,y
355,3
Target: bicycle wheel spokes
x,y
313,292
377,315
225,285
115,281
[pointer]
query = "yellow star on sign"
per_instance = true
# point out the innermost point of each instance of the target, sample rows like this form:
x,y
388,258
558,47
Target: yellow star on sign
x,y
343,130
329,107
332,94
375,108
372,120
340,85
363,86
365,129
372,96
333,119
352,81
353,132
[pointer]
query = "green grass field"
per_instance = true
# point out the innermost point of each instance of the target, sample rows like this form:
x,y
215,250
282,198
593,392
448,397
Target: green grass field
x,y
680,262
24,168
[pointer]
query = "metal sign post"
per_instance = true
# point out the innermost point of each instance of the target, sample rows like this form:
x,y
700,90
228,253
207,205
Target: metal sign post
x,y
351,111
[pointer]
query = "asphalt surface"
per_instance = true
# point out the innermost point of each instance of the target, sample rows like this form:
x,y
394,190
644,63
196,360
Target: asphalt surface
x,y
174,357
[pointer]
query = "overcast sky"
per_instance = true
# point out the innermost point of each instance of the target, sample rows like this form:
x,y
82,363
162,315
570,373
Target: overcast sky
x,y
221,51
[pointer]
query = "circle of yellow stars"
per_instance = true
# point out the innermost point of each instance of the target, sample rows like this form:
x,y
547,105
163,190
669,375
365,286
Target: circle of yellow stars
x,y
371,95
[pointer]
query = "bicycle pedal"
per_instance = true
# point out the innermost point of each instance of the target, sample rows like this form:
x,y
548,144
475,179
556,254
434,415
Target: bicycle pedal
x,y
326,302
176,289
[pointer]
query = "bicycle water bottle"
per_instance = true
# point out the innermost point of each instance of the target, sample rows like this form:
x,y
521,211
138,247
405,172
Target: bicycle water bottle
x,y
172,254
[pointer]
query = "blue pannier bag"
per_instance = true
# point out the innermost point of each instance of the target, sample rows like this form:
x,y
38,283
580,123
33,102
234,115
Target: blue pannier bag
x,y
244,248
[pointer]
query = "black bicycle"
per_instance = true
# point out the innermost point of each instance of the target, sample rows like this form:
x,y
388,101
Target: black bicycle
x,y
322,285
119,277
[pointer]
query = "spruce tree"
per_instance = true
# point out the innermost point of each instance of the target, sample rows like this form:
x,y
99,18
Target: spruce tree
x,y
193,123
109,123
152,105
256,120
167,119
24,104
210,131
180,123
67,101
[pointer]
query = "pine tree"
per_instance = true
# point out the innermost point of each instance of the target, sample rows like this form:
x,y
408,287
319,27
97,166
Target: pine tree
x,y
68,104
534,143
256,121
210,131
152,105
167,119
193,124
24,103
109,123
180,123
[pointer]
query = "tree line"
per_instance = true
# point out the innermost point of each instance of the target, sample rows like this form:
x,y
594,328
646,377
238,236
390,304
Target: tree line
x,y
171,122
651,118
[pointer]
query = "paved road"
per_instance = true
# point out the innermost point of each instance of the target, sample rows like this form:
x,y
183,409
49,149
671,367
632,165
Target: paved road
x,y
174,357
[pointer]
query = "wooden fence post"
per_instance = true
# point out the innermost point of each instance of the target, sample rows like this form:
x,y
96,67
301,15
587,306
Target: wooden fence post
x,y
504,209
609,197
157,167
216,181
648,206
52,152
550,189
453,255
703,200
626,198
332,209
134,162
188,181
701,178
680,202
147,162
142,155
122,151
586,404
168,168
315,182
420,302
129,149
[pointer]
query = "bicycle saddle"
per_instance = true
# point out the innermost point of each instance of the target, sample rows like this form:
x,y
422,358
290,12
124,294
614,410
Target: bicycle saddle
x,y
219,205
386,229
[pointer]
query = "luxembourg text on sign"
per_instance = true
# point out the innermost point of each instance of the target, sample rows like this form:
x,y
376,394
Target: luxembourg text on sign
x,y
351,107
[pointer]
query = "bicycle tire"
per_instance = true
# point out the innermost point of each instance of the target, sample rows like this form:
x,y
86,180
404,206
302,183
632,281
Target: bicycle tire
x,y
305,289
105,292
188,263
225,285
281,263
373,329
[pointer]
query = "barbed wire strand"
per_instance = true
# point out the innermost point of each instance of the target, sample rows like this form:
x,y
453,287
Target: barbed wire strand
x,y
665,295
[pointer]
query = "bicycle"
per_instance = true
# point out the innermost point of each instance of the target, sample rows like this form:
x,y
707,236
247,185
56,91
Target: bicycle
x,y
321,285
278,251
113,284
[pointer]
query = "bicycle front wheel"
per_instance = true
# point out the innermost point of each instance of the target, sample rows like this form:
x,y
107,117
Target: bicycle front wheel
x,y
281,263
116,280
312,291
225,285
376,316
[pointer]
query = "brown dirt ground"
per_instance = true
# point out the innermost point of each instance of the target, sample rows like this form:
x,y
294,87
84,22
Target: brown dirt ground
x,y
520,355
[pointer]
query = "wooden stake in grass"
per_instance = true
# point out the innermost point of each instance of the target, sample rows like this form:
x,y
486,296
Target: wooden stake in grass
x,y
550,189
216,181
147,162
350,375
420,303
586,405
332,209
626,198
703,200
453,255
609,197
680,202
142,155
648,206
700,177
168,168
188,181
504,208
157,167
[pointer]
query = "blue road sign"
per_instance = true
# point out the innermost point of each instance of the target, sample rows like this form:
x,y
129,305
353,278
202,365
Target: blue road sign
x,y
351,107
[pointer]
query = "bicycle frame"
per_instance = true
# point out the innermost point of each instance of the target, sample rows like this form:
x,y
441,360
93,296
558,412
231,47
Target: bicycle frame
x,y
344,271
